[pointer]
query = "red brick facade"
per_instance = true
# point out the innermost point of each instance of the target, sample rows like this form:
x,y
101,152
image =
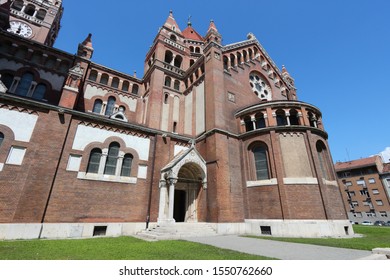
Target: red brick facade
x,y
226,114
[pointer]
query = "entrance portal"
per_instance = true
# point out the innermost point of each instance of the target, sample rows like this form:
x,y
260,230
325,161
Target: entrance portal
x,y
180,185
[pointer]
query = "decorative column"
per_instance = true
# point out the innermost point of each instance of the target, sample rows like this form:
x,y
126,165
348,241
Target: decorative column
x,y
163,194
172,182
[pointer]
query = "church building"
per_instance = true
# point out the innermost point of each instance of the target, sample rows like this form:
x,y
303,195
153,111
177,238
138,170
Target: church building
x,y
212,135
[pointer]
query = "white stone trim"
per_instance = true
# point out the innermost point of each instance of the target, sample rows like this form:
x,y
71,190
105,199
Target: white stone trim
x,y
300,181
331,183
22,124
251,184
106,178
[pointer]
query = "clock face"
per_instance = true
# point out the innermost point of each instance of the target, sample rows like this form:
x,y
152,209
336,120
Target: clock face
x,y
20,28
260,87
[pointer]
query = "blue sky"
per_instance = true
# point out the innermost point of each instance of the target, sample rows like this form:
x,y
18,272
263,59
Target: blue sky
x,y
337,51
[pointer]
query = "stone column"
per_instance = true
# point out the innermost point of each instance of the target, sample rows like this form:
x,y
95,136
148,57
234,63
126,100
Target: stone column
x,y
163,194
172,182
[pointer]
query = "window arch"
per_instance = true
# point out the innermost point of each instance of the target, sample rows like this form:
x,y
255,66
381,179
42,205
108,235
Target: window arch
x,y
225,62
97,106
18,5
173,38
110,106
294,118
1,138
324,161
178,61
191,49
197,50
125,86
104,79
192,62
25,84
7,79
260,121
166,96
93,75
29,10
167,82
94,161
135,89
126,165
176,85
260,157
281,119
39,92
232,60
115,82
248,123
112,158
168,57
41,14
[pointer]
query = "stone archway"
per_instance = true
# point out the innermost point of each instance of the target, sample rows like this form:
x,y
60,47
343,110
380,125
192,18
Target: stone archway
x,y
180,183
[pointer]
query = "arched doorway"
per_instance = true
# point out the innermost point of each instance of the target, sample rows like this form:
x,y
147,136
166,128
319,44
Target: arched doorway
x,y
180,185
189,183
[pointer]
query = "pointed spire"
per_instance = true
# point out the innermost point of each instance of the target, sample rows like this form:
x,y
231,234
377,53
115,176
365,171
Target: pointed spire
x,y
189,21
212,26
88,41
85,49
171,23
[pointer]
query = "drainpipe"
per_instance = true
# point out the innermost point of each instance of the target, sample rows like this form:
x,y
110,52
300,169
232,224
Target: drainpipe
x,y
151,181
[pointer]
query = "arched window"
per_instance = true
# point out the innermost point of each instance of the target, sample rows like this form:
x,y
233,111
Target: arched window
x,y
18,5
41,14
260,121
110,106
225,62
168,57
97,106
248,123
191,49
260,155
192,62
24,84
94,161
178,61
125,86
115,82
197,50
166,98
245,55
29,10
281,119
1,138
7,80
312,119
112,158
167,82
173,38
126,165
39,92
232,60
104,79
135,89
176,85
93,75
294,118
324,161
238,58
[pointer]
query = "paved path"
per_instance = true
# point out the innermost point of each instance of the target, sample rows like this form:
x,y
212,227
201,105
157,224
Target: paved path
x,y
282,250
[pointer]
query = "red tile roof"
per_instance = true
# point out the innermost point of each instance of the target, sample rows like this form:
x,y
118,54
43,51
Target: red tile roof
x,y
356,163
190,33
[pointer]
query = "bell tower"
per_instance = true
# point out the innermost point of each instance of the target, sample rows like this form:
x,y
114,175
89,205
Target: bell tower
x,y
36,20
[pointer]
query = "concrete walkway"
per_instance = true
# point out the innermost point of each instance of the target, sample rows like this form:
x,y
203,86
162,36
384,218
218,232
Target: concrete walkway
x,y
282,250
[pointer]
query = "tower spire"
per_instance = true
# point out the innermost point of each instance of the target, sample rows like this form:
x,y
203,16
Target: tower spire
x,y
85,48
171,23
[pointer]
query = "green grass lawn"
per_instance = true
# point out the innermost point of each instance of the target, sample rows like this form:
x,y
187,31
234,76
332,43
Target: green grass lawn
x,y
373,237
121,248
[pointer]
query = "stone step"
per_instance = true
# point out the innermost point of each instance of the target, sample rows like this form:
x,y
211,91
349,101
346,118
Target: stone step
x,y
177,231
